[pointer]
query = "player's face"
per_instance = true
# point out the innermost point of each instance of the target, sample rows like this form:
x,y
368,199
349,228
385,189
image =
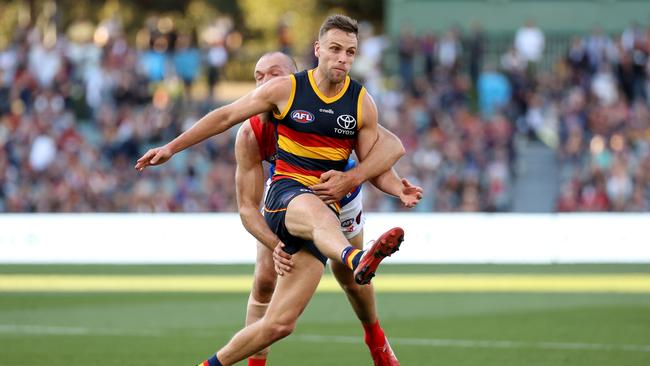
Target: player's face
x,y
336,51
271,66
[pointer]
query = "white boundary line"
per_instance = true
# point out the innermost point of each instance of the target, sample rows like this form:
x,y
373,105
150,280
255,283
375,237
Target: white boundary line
x,y
318,338
464,343
68,330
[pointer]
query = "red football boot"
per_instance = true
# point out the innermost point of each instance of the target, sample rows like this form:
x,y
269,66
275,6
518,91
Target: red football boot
x,y
386,245
384,356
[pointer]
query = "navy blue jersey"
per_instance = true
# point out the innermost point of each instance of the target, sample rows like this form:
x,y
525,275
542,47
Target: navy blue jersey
x,y
316,133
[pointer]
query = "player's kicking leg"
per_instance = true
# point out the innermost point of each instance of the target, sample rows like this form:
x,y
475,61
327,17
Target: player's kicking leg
x,y
308,217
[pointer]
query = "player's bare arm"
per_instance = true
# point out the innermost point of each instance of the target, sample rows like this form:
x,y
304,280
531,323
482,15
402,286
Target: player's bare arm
x,y
383,154
389,181
273,95
249,182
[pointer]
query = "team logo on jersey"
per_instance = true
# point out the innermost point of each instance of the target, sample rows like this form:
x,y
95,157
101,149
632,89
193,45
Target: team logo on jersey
x,y
346,121
301,116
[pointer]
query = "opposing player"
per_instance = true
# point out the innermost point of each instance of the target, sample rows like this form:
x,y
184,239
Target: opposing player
x,y
307,147
255,143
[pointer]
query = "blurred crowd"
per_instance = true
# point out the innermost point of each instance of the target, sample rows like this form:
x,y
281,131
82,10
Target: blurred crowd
x,y
75,114
604,122
590,107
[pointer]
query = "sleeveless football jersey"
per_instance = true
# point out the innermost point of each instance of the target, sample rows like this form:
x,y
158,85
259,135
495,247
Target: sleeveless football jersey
x,y
316,133
266,143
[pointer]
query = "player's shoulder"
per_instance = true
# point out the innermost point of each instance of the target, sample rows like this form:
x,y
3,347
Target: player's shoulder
x,y
280,86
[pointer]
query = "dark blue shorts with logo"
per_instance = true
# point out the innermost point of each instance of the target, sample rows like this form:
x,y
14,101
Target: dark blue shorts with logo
x,y
280,193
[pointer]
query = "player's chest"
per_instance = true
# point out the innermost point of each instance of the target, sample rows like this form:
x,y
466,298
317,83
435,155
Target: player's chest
x,y
337,119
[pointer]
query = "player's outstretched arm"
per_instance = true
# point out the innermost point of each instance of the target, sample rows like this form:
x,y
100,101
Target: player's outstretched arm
x,y
249,181
390,183
272,95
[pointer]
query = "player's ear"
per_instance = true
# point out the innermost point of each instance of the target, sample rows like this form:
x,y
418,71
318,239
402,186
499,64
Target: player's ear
x,y
317,49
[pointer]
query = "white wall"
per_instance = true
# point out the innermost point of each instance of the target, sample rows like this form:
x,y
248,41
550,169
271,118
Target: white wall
x,y
220,238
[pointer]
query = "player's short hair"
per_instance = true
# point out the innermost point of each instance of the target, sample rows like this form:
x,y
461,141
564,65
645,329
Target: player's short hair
x,y
338,21
292,61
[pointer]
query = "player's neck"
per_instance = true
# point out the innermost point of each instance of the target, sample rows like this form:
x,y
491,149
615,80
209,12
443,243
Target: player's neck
x,y
325,86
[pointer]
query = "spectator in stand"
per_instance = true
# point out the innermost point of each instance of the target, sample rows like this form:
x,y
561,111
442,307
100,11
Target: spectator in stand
x,y
407,48
187,61
529,43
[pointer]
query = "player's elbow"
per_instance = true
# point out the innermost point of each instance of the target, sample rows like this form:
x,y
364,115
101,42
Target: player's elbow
x,y
400,150
397,150
246,214
391,143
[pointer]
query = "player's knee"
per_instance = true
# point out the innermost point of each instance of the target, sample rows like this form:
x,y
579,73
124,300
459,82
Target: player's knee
x,y
263,288
325,222
279,329
329,221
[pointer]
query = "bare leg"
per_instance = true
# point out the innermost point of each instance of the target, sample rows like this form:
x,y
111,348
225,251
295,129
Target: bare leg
x,y
263,287
308,217
361,297
291,296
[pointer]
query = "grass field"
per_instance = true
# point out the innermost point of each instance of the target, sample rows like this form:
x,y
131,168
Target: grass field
x,y
483,315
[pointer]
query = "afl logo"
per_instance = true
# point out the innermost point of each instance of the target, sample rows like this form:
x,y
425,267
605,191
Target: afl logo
x,y
301,116
346,121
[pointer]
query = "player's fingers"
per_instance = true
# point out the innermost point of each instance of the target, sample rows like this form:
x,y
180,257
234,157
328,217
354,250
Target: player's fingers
x,y
156,158
284,254
281,256
283,261
318,187
325,197
145,157
285,258
280,267
327,175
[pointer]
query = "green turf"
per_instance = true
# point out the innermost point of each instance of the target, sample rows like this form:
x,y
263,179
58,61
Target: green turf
x,y
386,268
427,328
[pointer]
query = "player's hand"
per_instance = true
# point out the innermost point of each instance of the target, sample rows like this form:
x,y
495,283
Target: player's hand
x,y
281,260
334,185
152,157
410,194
